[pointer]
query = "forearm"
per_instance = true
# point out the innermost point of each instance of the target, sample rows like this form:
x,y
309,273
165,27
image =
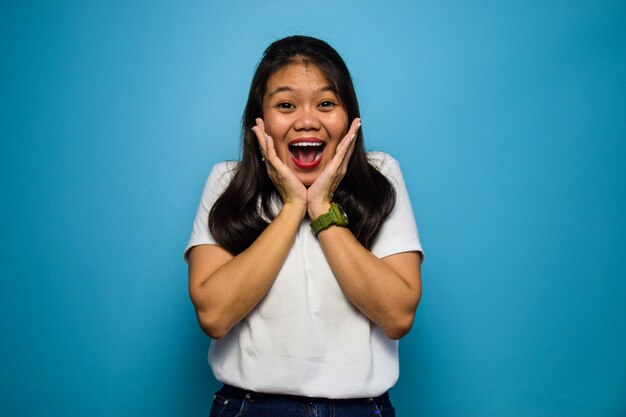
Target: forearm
x,y
386,296
225,295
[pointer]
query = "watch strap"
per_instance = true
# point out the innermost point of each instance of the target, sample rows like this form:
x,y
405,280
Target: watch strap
x,y
334,216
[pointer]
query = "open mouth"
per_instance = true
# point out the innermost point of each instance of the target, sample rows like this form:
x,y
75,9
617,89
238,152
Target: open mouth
x,y
306,154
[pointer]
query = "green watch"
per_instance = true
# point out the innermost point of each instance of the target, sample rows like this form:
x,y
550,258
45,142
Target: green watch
x,y
335,216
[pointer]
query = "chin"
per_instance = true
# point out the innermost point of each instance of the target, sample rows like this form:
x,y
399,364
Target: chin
x,y
307,181
307,178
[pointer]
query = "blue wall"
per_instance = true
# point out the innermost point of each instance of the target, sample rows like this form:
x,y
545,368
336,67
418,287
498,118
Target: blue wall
x,y
508,119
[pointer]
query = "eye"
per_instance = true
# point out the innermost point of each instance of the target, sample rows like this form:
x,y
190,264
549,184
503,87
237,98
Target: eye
x,y
327,104
285,105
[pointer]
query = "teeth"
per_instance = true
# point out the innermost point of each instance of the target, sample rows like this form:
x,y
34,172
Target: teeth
x,y
306,144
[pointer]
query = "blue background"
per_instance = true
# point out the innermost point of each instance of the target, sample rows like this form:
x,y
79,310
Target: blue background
x,y
508,119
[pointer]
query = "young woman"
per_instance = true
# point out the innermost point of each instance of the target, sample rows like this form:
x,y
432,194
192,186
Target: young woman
x,y
304,258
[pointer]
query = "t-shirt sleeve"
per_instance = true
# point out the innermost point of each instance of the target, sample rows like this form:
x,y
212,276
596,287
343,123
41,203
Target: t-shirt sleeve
x,y
218,180
399,232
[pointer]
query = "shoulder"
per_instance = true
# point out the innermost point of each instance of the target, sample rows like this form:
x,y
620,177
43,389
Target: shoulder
x,y
383,162
222,173
219,178
225,167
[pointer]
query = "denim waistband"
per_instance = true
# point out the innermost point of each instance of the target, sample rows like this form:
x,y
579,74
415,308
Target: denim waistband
x,y
251,396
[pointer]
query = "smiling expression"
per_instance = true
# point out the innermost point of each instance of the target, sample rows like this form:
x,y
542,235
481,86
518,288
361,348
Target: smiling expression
x,y
305,118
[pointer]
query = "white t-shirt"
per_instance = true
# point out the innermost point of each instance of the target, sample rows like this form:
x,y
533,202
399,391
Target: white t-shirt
x,y
305,337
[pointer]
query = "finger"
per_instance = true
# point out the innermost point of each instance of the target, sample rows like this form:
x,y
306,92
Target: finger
x,y
263,139
259,132
350,136
270,150
270,156
269,145
355,125
346,145
347,152
350,150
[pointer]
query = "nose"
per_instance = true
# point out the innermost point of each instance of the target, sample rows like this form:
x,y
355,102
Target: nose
x,y
307,120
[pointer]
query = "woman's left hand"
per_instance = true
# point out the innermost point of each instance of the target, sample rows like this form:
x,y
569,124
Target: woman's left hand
x,y
320,193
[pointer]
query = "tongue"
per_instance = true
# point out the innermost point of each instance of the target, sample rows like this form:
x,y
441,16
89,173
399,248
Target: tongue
x,y
305,153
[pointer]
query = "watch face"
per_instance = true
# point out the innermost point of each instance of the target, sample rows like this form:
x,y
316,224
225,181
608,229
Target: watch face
x,y
335,215
341,216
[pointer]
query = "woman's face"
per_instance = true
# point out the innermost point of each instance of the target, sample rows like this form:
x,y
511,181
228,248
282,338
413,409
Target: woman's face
x,y
305,118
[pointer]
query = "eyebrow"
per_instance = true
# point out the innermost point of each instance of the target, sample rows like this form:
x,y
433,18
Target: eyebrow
x,y
281,89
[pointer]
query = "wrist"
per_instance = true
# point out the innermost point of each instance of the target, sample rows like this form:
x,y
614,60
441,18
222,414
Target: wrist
x,y
297,208
316,209
334,216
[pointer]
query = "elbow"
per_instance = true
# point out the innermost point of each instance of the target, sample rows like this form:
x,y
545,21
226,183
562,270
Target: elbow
x,y
212,325
400,327
403,321
211,320
214,334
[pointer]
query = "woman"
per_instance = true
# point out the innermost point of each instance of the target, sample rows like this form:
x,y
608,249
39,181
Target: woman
x,y
304,305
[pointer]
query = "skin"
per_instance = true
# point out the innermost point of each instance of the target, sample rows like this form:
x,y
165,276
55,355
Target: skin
x,y
298,103
225,288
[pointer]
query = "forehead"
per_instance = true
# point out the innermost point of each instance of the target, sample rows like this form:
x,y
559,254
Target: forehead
x,y
297,77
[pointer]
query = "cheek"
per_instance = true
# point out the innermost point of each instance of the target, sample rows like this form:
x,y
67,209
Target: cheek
x,y
275,126
339,126
277,129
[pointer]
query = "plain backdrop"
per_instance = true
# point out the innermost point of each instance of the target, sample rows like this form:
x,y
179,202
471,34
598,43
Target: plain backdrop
x,y
508,119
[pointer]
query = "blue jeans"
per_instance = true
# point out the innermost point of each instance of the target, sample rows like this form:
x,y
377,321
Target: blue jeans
x,y
230,401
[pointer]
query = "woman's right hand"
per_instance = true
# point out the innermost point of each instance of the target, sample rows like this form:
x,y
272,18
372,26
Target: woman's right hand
x,y
288,185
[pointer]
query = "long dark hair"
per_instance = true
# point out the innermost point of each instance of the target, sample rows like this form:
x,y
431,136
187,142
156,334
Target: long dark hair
x,y
242,212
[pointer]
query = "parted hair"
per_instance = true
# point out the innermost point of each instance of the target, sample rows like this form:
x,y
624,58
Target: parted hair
x,y
242,211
